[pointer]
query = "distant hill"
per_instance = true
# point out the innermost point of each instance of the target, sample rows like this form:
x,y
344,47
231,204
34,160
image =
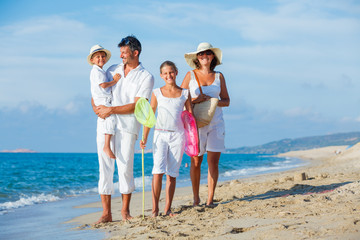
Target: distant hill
x,y
19,150
286,145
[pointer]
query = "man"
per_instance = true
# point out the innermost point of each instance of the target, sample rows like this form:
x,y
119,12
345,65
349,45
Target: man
x,y
135,82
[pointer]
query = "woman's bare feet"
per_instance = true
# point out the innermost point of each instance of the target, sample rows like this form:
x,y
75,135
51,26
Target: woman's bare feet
x,y
108,152
196,202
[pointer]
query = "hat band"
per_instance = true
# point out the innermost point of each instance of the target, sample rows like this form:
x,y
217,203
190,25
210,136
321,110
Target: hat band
x,y
98,49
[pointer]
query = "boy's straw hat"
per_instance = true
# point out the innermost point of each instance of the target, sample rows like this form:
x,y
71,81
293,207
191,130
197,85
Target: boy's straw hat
x,y
98,48
190,57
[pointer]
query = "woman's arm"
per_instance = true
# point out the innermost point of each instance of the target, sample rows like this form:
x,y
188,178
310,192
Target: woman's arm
x,y
188,105
224,95
185,84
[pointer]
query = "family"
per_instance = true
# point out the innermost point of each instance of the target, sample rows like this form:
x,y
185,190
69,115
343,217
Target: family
x,y
114,95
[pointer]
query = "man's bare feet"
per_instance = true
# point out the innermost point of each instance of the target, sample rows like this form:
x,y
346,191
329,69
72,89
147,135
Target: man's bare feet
x,y
104,219
126,215
108,152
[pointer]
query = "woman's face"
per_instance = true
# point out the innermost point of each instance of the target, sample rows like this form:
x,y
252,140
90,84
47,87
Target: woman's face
x,y
205,57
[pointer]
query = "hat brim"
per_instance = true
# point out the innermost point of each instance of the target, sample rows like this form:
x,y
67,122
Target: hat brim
x,y
190,57
108,55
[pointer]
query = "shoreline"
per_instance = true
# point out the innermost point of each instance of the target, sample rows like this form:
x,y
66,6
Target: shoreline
x,y
282,205
181,194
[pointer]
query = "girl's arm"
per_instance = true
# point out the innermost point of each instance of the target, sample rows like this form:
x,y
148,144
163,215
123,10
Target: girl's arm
x,y
224,95
146,134
116,78
153,105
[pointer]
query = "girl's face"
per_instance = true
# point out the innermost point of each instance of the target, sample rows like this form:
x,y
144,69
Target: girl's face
x,y
168,73
205,57
99,58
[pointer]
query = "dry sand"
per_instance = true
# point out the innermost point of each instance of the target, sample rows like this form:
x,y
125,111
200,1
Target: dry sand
x,y
318,201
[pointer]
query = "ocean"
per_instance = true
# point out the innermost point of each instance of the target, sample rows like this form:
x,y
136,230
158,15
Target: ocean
x,y
38,188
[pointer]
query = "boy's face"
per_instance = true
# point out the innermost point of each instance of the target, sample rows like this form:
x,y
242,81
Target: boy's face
x,y
99,59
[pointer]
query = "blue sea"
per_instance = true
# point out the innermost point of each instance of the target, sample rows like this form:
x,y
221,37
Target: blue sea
x,y
38,189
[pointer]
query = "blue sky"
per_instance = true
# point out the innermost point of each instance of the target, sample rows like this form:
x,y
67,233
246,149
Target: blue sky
x,y
292,67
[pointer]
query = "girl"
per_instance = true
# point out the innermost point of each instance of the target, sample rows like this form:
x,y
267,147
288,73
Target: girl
x,y
169,138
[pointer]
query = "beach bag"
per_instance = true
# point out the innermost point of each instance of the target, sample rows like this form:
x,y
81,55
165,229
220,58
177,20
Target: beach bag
x,y
191,134
204,111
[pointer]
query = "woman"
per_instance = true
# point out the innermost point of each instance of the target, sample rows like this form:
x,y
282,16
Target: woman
x,y
211,137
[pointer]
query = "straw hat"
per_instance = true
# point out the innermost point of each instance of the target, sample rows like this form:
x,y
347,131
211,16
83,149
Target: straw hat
x,y
98,48
190,57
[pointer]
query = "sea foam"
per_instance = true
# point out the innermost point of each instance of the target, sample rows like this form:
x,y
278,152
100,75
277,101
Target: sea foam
x,y
26,201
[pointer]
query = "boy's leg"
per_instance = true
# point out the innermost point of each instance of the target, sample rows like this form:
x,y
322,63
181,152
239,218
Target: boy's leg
x,y
156,191
107,148
109,131
170,191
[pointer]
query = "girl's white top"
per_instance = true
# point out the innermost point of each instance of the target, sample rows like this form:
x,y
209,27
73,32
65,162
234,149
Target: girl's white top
x,y
212,90
169,111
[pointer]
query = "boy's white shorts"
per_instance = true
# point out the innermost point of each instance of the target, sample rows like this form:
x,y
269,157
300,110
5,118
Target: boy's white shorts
x,y
168,150
122,144
107,125
212,137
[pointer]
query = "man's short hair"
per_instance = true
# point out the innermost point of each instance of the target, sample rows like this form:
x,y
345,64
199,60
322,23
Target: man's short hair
x,y
132,42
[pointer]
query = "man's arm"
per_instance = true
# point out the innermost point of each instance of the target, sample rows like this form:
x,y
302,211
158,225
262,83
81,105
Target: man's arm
x,y
104,112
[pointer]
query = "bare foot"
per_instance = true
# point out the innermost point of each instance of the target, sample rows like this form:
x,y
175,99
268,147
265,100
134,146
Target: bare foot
x,y
104,219
196,202
170,214
126,215
155,213
210,205
108,152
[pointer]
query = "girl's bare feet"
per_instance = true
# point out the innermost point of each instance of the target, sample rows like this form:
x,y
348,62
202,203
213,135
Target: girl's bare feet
x,y
170,214
154,214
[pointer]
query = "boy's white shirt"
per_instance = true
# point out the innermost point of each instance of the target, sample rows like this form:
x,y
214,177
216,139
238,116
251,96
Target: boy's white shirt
x,y
101,96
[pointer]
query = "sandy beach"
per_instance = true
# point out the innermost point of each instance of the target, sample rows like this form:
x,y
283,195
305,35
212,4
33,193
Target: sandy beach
x,y
318,201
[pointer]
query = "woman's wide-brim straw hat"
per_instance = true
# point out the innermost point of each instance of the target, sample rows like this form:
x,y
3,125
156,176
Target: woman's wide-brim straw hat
x,y
98,48
190,57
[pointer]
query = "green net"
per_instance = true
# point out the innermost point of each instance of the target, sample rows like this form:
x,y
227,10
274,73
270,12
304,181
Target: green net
x,y
144,113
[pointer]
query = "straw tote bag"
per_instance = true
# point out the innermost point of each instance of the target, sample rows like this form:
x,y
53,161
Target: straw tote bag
x,y
204,111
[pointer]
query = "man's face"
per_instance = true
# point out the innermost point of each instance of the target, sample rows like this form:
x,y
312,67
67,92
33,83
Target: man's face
x,y
127,55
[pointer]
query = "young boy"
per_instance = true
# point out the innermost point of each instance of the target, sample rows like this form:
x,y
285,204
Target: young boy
x,y
101,92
